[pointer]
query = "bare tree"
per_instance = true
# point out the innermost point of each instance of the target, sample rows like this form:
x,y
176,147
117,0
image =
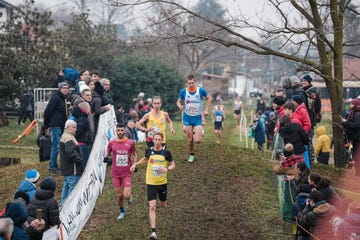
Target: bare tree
x,y
311,32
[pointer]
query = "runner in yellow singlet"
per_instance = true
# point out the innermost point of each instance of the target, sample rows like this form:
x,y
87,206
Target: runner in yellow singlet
x,y
155,121
159,163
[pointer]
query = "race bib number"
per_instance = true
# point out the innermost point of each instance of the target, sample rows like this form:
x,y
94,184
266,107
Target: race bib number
x,y
218,119
154,130
193,109
156,171
121,160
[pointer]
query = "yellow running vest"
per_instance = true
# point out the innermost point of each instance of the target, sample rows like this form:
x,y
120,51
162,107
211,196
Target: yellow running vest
x,y
158,124
153,174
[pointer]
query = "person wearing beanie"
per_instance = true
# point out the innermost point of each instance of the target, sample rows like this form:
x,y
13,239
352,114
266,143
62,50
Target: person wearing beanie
x,y
55,116
44,200
277,105
300,114
287,161
27,185
312,101
18,214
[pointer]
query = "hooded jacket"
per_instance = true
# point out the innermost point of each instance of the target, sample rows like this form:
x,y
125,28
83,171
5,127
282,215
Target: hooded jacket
x,y
309,218
323,141
294,134
44,199
55,114
19,215
301,117
28,187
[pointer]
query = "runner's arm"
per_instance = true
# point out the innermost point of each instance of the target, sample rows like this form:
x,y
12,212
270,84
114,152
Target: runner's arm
x,y
139,124
168,119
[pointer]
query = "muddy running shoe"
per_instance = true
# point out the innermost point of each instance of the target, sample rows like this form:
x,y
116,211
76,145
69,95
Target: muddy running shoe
x,y
121,216
191,158
130,200
153,236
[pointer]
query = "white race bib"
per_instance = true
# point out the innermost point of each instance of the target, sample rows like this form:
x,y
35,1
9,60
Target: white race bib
x,y
121,160
156,171
193,109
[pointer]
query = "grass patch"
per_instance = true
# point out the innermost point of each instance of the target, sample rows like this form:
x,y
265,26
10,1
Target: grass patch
x,y
227,193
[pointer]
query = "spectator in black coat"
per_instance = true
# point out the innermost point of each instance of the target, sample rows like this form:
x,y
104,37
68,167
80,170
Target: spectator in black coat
x,y
55,116
294,134
44,200
352,128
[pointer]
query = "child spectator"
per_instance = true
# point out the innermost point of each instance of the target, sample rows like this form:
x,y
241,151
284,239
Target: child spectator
x,y
322,145
258,127
301,198
27,185
44,200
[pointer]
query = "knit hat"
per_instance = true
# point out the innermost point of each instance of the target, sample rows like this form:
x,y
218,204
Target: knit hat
x,y
298,99
32,175
63,84
279,100
307,78
48,183
22,195
83,86
288,150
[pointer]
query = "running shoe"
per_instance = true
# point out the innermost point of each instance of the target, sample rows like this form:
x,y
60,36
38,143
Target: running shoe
x,y
191,158
153,236
130,200
121,216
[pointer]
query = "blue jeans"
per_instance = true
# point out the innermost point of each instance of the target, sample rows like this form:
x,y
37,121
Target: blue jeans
x,y
85,152
69,184
55,134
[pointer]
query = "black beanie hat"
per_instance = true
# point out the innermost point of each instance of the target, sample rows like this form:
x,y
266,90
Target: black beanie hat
x,y
298,99
307,78
23,195
278,100
48,183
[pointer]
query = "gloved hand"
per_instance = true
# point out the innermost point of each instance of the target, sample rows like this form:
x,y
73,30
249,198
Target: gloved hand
x,y
105,160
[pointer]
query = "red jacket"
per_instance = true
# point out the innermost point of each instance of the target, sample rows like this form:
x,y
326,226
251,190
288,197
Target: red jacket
x,y
301,117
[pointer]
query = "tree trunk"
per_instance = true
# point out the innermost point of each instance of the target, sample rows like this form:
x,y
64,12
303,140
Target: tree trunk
x,y
336,98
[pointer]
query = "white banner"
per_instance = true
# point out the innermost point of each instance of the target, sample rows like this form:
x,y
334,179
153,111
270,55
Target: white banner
x,y
78,207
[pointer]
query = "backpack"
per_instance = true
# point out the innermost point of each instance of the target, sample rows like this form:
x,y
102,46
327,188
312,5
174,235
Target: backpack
x,y
313,103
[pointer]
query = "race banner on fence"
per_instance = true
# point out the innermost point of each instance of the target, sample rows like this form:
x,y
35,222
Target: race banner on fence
x,y
78,207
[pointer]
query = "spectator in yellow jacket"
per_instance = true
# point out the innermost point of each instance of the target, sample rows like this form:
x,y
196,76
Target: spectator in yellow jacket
x,y
322,146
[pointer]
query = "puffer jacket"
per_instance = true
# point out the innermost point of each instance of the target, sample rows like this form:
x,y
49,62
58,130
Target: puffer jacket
x,y
44,200
310,217
323,141
301,117
70,155
294,134
18,214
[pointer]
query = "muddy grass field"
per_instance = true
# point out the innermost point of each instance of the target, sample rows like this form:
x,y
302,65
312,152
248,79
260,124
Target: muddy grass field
x,y
228,192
